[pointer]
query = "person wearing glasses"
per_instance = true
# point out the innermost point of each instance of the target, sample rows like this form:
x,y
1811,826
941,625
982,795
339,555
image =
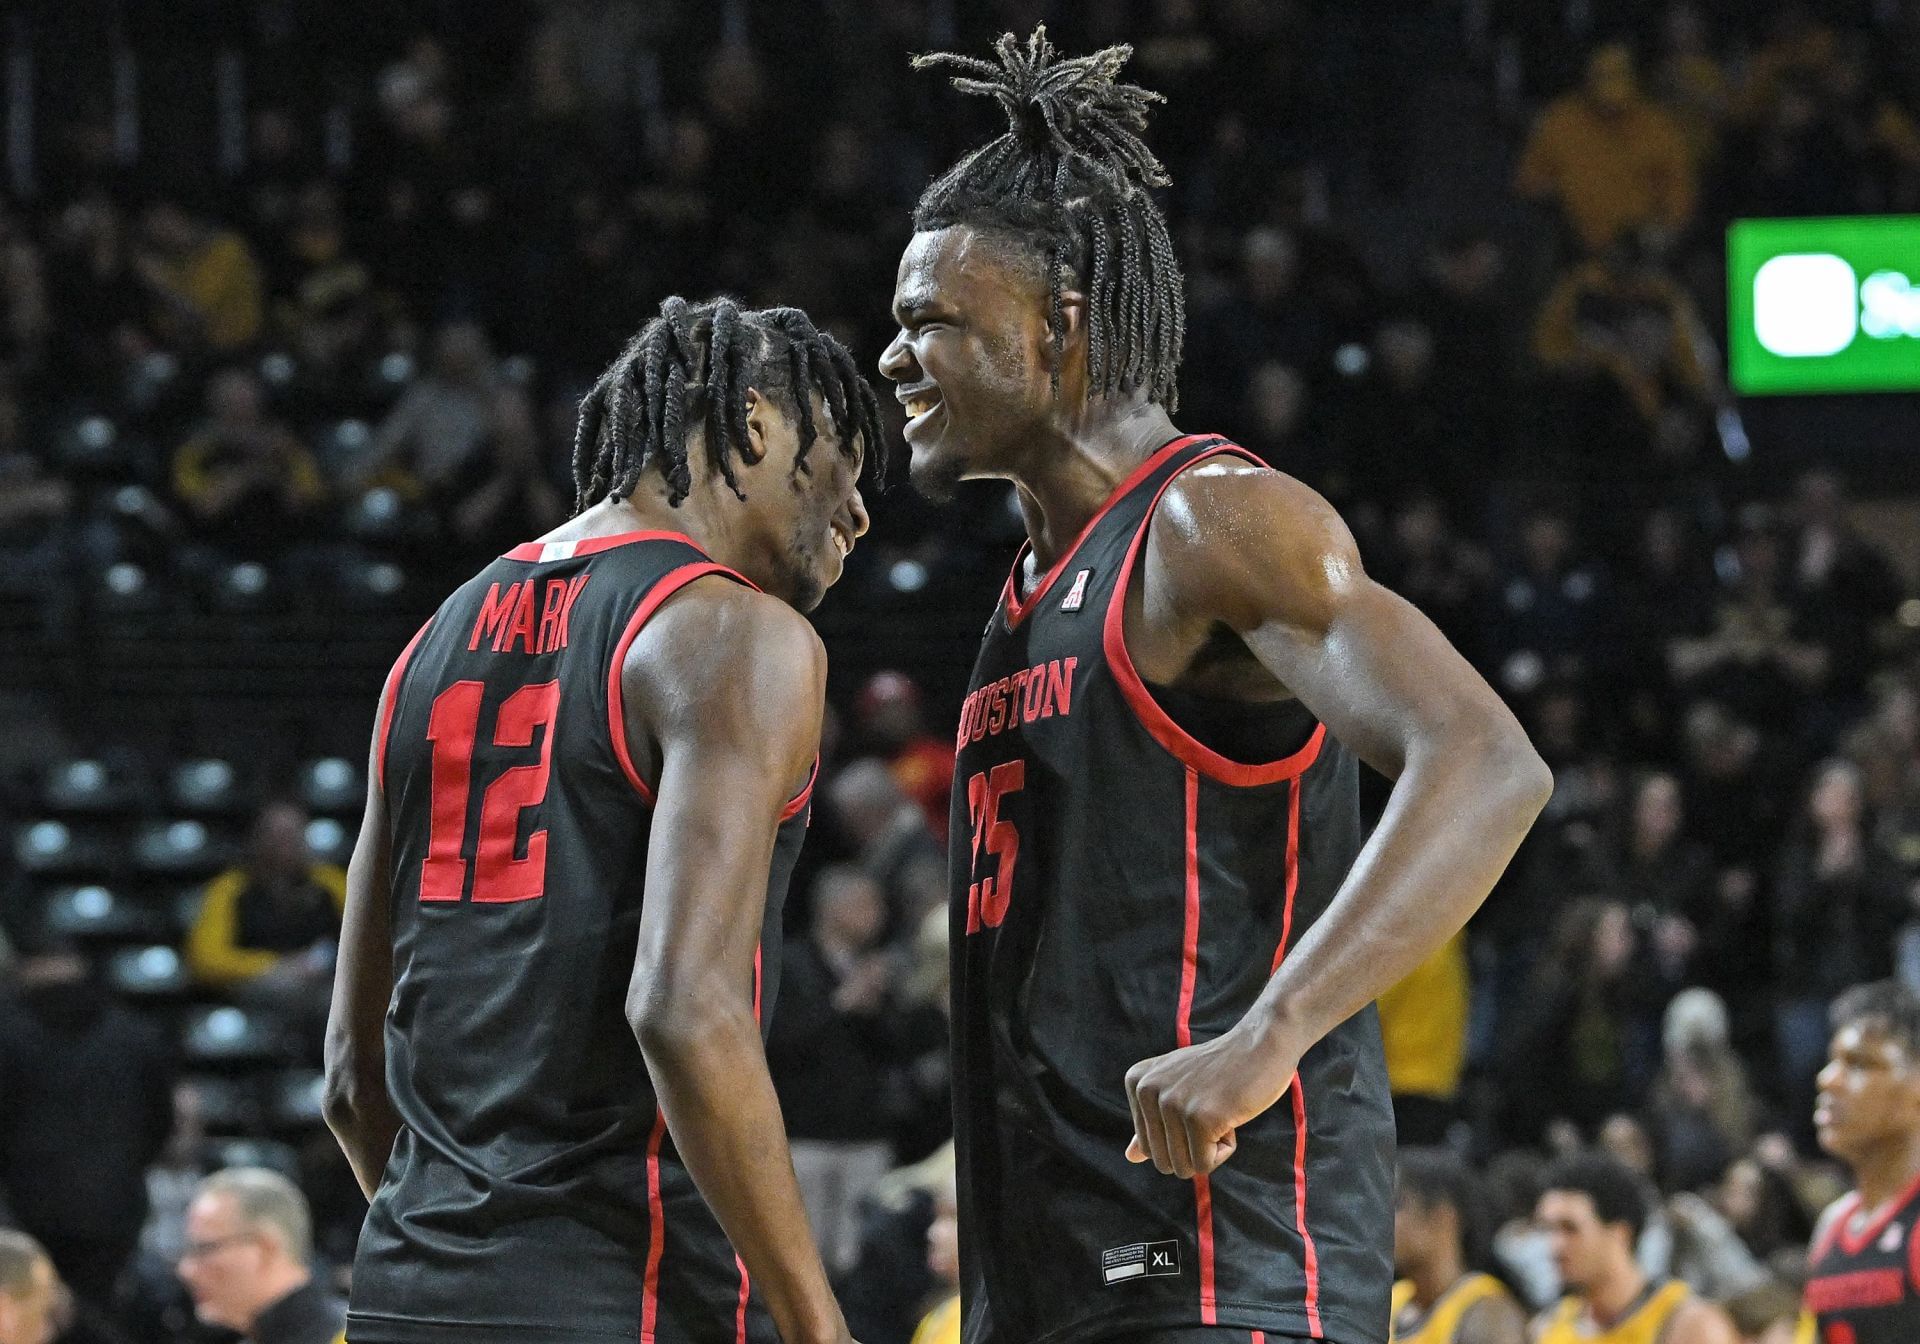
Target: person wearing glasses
x,y
247,1261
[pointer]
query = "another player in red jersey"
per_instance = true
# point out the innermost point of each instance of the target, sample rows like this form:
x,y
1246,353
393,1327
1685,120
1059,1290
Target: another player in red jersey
x,y
588,787
1168,927
1864,1269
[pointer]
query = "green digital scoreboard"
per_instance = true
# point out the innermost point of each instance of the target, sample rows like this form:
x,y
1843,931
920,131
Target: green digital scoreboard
x,y
1824,305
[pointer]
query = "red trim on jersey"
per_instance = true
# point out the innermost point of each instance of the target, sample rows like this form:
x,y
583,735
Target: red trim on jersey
x,y
799,800
1312,1258
1018,607
656,1228
740,1313
672,583
1183,1034
391,694
1183,745
1853,1245
1293,873
1829,1229
534,550
1259,1337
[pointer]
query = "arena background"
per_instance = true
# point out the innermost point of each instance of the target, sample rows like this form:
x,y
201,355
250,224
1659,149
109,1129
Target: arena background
x,y
297,298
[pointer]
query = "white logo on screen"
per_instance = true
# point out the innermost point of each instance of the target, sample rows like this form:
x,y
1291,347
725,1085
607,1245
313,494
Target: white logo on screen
x,y
1889,306
1805,305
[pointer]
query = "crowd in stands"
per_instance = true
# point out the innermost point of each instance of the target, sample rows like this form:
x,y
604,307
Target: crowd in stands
x,y
356,336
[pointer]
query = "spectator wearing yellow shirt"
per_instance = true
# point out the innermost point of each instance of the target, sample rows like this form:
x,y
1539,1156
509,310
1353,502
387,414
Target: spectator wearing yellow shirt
x,y
1423,1024
243,477
207,278
268,927
1609,159
942,1324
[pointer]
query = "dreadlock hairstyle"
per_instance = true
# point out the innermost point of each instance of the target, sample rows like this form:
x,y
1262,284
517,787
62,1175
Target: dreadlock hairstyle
x,y
690,368
1072,178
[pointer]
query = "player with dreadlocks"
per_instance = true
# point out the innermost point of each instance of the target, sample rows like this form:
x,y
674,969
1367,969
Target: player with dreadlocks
x,y
1167,932
587,790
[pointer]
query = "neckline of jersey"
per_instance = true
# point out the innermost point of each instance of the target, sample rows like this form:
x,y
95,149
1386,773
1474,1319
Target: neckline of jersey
x,y
1877,1223
1016,607
535,551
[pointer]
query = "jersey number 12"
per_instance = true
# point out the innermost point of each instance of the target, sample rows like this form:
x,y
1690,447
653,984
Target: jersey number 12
x,y
453,728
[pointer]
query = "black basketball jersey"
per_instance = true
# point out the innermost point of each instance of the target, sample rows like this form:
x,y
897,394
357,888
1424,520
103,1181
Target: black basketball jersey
x,y
1863,1284
534,1192
1124,883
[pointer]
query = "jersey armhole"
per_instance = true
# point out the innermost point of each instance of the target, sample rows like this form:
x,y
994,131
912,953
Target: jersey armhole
x,y
391,696
1179,743
666,587
799,800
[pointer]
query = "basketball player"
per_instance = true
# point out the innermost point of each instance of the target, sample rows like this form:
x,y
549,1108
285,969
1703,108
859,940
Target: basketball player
x,y
1438,1235
1166,932
1593,1211
1864,1284
587,789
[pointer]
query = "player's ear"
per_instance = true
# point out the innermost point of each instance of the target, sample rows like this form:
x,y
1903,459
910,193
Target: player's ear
x,y
761,419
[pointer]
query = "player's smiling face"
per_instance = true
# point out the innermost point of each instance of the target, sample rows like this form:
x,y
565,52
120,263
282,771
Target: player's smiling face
x,y
1869,1092
810,523
970,363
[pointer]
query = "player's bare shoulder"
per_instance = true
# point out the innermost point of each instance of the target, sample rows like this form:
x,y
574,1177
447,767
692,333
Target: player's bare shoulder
x,y
1245,544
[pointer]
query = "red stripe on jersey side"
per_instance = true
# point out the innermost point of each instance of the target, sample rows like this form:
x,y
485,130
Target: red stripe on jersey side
x,y
1183,746
1312,1258
1293,872
533,550
1259,1337
799,800
1016,607
1854,1244
674,581
656,1229
740,1312
1183,1034
391,694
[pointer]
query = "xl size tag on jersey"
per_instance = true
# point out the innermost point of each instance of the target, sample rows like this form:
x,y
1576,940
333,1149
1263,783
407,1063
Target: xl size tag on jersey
x,y
1143,1259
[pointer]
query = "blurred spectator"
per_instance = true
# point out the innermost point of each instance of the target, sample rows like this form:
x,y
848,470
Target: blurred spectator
x,y
1761,1205
894,1286
174,1178
891,840
1586,1040
24,319
1759,657
1736,789
942,1324
1550,606
891,723
1464,295
1702,1108
1842,586
1630,339
268,927
1837,905
1608,158
1767,1314
1423,1023
89,1101
1401,426
250,486
247,1261
30,1291
105,325
434,440
1666,590
206,279
1432,566
829,1052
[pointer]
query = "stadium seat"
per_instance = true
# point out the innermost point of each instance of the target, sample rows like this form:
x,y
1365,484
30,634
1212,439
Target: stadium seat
x,y
177,848
330,841
153,972
95,912
52,848
206,787
372,586
127,590
280,1157
88,786
243,589
295,1099
332,786
231,1036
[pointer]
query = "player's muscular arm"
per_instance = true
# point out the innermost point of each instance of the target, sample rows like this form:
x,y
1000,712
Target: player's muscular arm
x,y
1259,554
1493,1320
726,686
358,1109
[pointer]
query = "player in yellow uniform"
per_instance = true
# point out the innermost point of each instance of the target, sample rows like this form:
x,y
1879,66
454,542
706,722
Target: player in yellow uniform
x,y
1439,1235
1592,1210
